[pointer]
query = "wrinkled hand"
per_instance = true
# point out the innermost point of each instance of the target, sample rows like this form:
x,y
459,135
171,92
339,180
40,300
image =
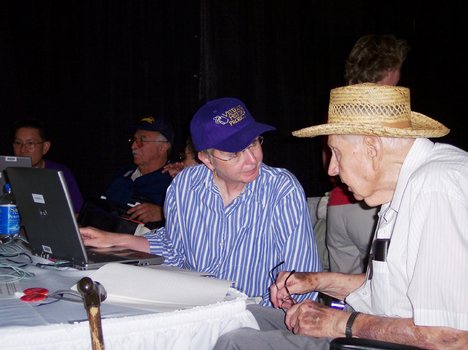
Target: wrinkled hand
x,y
173,168
317,320
146,212
297,284
93,237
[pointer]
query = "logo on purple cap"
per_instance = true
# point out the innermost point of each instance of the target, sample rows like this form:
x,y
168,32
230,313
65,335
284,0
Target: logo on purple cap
x,y
231,116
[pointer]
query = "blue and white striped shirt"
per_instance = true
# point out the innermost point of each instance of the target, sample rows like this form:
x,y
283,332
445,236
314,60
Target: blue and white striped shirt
x,y
266,224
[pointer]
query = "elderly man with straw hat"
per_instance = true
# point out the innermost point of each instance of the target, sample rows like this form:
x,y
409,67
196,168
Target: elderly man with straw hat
x,y
415,289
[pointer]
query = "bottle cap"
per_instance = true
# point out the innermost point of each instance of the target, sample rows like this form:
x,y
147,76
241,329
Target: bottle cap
x,y
7,188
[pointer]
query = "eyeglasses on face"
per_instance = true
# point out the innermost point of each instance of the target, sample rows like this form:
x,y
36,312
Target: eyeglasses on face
x,y
140,140
29,145
227,156
274,276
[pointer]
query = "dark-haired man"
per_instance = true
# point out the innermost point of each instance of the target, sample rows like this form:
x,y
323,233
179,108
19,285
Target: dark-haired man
x,y
31,140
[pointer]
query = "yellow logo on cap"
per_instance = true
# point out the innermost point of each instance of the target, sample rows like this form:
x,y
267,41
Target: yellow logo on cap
x,y
149,120
231,116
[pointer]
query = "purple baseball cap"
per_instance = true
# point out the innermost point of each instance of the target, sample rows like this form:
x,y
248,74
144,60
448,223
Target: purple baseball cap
x,y
225,124
160,125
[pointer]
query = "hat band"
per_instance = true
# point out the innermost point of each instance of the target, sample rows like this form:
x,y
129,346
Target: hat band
x,y
398,125
402,124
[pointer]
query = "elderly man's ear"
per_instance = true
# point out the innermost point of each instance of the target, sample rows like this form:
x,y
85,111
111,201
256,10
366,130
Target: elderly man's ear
x,y
374,148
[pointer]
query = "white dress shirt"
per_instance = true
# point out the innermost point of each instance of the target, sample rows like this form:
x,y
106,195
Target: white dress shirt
x,y
425,276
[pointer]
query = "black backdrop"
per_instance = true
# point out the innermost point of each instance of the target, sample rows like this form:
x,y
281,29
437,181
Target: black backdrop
x,y
88,68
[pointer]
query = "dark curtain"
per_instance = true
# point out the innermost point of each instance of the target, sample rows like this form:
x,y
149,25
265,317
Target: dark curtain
x,y
89,68
283,57
274,56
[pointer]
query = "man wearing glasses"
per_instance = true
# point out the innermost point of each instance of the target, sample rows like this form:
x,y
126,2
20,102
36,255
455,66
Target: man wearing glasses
x,y
31,140
231,216
143,184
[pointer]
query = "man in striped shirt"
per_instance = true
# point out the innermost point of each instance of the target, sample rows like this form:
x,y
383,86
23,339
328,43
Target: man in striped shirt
x,y
232,216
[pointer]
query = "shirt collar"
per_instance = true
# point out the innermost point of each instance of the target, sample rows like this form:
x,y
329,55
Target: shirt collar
x,y
416,156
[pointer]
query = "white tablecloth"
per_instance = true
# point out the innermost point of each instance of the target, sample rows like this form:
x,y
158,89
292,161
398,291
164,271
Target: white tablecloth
x,y
197,328
63,324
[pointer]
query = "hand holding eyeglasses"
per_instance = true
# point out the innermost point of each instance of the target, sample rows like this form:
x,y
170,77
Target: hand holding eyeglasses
x,y
280,295
284,285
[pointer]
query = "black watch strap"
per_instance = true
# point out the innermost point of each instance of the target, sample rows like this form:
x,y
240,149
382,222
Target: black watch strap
x,y
349,324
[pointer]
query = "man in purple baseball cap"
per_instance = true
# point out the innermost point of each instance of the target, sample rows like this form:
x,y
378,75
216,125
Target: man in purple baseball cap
x,y
231,216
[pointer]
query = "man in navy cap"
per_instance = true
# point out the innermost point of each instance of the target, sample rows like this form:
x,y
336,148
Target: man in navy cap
x,y
143,183
231,216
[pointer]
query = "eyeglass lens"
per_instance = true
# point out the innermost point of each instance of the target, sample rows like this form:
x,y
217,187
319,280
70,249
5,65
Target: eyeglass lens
x,y
27,144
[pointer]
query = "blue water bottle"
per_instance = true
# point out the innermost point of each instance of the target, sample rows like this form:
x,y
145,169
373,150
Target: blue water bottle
x,y
9,216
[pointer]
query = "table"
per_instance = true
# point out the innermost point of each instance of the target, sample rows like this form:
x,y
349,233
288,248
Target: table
x,y
196,328
63,324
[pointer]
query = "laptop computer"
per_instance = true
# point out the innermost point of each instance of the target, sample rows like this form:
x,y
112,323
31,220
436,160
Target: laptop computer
x,y
48,216
10,161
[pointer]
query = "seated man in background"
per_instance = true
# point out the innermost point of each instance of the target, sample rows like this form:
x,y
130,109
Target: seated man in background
x,y
414,292
31,140
144,183
232,216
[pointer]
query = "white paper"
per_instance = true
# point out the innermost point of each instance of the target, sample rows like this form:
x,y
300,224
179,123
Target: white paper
x,y
165,288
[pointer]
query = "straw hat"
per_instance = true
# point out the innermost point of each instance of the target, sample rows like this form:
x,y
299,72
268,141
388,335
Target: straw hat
x,y
371,109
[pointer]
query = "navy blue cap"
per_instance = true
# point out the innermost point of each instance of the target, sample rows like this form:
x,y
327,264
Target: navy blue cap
x,y
160,125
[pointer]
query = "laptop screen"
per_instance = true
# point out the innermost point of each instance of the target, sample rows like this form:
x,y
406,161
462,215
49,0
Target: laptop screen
x,y
11,161
47,214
